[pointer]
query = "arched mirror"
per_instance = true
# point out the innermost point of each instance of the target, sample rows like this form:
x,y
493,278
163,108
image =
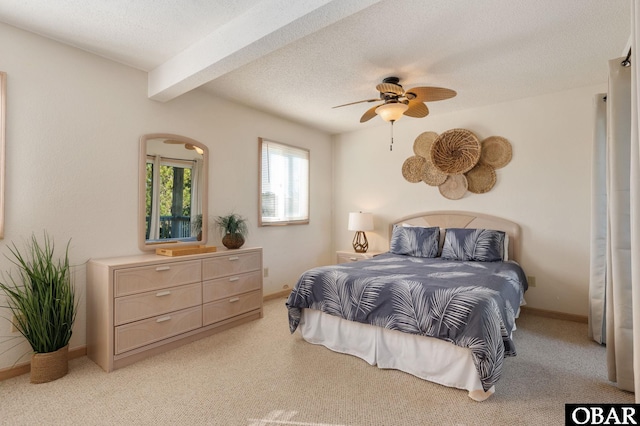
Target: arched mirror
x,y
172,192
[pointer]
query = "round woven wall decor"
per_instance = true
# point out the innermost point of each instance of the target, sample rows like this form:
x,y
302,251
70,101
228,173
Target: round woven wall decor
x,y
481,178
496,151
455,151
454,187
431,175
413,168
422,144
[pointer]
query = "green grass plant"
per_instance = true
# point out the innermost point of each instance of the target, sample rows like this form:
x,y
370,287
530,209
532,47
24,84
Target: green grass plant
x,y
41,297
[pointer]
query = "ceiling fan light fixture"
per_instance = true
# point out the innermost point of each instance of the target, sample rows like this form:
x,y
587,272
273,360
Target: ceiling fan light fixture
x,y
391,111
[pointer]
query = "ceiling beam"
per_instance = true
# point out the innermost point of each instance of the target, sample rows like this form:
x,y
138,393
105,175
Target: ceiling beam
x,y
263,29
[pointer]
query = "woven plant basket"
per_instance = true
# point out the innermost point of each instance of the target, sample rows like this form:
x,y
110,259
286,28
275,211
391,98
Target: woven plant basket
x,y
413,168
50,366
496,151
431,175
454,187
455,151
422,144
481,178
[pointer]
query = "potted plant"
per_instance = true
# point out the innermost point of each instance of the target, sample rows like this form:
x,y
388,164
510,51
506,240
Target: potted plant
x,y
233,229
196,226
42,300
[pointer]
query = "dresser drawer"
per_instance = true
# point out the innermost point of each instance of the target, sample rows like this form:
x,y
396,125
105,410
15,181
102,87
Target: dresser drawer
x,y
147,278
158,302
231,306
141,333
231,285
230,264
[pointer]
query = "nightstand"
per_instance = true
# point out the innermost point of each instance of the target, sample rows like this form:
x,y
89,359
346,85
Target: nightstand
x,y
352,256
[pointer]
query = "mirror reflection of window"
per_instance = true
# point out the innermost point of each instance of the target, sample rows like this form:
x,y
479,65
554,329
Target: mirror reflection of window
x,y
171,216
173,204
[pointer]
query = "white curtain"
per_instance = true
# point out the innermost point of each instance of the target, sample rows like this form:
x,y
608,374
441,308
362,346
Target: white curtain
x,y
635,192
154,225
196,191
598,263
613,284
617,161
619,306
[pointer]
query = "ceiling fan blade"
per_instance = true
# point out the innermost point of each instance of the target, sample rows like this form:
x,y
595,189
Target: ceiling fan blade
x,y
430,94
358,102
371,112
390,88
417,109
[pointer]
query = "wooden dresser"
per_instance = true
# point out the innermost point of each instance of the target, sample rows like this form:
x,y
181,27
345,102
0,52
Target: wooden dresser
x,y
139,306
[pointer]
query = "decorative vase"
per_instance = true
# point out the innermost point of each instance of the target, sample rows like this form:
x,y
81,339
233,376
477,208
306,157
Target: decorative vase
x,y
47,367
233,241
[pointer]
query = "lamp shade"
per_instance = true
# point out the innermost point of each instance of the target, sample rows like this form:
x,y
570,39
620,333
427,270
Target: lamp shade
x,y
392,111
360,221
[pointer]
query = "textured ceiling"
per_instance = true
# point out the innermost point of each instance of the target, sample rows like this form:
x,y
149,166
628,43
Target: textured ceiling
x,y
298,58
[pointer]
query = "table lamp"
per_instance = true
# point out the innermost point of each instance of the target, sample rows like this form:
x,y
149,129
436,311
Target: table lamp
x,y
360,222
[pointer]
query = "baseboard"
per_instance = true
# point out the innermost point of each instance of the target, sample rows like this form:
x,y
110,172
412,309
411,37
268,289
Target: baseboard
x,y
25,367
555,315
277,295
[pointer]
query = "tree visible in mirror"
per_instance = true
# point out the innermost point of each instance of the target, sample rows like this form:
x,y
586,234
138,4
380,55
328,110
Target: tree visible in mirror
x,y
233,228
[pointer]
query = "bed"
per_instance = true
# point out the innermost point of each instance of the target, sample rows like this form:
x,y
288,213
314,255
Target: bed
x,y
440,305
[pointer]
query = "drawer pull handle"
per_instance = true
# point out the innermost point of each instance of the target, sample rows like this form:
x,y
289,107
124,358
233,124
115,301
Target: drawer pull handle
x,y
232,258
163,319
234,278
163,268
163,293
234,299
353,258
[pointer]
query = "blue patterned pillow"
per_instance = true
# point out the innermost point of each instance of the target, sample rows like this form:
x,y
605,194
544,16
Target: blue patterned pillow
x,y
415,241
482,245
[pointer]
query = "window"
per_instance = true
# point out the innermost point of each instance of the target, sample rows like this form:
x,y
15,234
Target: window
x,y
284,184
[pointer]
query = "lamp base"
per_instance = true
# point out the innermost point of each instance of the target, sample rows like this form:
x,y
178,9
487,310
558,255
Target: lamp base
x,y
360,243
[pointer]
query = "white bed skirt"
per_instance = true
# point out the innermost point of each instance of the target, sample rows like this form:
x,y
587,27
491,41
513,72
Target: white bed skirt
x,y
444,363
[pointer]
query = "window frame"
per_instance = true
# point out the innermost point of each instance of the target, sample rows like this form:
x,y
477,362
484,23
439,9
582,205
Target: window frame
x,y
305,221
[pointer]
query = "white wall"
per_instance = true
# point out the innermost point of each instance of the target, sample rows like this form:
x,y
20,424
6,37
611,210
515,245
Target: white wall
x,y
73,124
545,188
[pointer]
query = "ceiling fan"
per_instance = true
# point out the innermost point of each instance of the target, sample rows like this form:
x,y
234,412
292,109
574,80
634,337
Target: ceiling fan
x,y
397,102
186,145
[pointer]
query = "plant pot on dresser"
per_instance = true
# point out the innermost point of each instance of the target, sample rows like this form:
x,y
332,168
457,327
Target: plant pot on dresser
x,y
138,306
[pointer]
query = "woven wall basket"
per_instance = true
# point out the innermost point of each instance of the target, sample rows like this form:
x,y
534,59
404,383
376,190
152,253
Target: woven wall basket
x,y
481,178
454,187
431,175
413,168
422,144
49,366
455,151
496,151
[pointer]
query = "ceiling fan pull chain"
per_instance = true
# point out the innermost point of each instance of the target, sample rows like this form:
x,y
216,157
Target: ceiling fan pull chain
x,y
391,146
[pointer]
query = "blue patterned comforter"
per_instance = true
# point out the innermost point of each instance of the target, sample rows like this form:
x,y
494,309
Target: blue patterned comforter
x,y
470,304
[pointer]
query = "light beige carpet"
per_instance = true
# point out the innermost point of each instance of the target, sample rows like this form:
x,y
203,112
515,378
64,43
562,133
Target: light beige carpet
x,y
259,374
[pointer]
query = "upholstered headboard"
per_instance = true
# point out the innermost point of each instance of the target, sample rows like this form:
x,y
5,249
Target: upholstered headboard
x,y
461,219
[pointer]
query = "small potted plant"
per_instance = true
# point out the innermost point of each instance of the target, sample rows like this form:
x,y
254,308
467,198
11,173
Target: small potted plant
x,y
42,300
233,229
196,226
